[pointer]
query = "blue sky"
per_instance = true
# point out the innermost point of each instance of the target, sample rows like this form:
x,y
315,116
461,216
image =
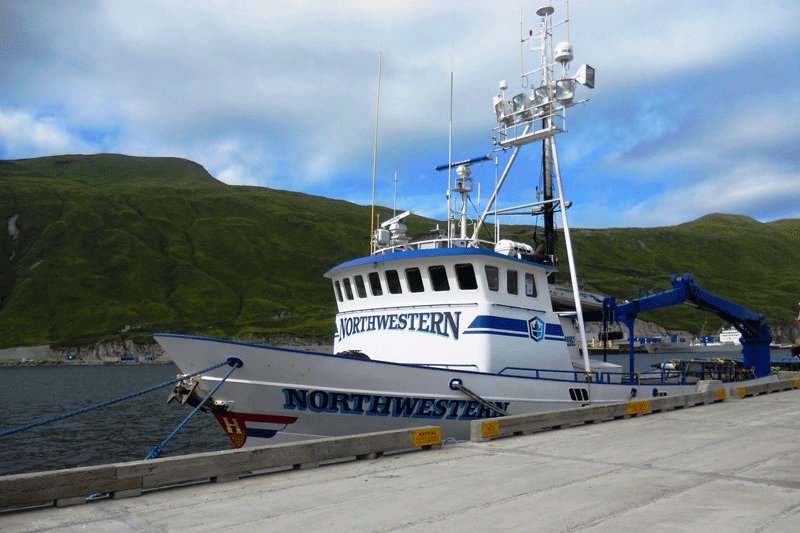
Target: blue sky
x,y
695,111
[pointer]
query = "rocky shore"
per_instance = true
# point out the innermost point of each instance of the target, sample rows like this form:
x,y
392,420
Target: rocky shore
x,y
120,352
113,352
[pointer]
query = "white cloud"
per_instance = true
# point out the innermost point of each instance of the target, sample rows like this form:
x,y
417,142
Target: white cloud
x,y
24,134
751,188
236,175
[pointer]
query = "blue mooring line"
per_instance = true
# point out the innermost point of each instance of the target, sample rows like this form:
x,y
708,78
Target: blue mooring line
x,y
235,363
56,418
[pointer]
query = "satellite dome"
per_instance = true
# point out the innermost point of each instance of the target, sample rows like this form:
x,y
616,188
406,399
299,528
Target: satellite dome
x,y
563,52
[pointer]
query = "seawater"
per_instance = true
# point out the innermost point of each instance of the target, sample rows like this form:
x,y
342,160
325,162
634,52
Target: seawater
x,y
125,431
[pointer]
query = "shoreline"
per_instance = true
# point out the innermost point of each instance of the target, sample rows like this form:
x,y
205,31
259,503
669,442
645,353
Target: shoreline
x,y
122,352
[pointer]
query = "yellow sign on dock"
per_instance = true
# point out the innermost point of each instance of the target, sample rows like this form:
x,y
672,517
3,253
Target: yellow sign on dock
x,y
490,429
427,437
638,408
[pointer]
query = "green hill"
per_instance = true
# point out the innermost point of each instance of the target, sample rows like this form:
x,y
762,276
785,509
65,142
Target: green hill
x,y
109,246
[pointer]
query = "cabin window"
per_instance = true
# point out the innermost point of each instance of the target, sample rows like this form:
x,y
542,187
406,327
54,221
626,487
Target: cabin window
x,y
360,288
338,287
375,284
492,277
414,279
393,282
530,285
438,276
465,275
512,283
348,289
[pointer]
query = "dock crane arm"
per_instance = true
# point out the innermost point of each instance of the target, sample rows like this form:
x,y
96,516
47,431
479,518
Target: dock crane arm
x,y
756,334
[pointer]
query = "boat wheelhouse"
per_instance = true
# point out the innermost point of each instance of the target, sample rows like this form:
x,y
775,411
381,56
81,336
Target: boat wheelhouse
x,y
459,308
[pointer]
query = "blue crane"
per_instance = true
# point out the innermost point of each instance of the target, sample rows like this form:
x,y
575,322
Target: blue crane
x,y
756,335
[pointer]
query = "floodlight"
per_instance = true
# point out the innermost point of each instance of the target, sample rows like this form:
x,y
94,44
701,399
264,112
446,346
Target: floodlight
x,y
521,105
502,109
541,95
565,90
585,76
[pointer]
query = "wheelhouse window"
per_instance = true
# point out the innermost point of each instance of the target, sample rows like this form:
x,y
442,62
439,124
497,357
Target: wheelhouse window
x,y
360,288
414,279
393,282
438,276
348,289
492,278
512,283
338,287
375,284
465,275
530,285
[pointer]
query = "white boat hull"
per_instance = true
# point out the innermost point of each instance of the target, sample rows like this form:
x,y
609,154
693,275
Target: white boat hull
x,y
282,395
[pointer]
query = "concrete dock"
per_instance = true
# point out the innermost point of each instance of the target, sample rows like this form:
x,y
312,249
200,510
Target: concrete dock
x,y
728,466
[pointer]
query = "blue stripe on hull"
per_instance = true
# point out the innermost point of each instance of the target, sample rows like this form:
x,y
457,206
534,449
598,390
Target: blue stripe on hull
x,y
500,333
499,322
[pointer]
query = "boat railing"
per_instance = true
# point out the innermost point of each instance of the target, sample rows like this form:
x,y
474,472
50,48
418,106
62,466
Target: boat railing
x,y
512,128
435,243
661,376
562,375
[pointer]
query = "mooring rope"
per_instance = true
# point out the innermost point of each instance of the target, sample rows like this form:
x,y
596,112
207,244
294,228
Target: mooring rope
x,y
56,418
235,363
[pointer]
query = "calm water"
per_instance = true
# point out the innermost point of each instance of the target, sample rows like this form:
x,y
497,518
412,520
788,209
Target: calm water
x,y
123,432
126,431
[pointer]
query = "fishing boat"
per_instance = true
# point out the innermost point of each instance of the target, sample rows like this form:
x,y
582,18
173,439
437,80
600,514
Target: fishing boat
x,y
726,342
452,328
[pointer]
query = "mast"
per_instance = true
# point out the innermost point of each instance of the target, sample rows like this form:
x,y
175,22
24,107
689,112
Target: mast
x,y
547,157
547,196
539,113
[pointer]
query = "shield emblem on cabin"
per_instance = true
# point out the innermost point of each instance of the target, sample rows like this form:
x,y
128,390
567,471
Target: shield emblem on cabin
x,y
536,328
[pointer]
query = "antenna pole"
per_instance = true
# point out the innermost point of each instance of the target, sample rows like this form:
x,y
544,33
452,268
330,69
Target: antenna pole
x,y
375,160
394,207
496,218
450,166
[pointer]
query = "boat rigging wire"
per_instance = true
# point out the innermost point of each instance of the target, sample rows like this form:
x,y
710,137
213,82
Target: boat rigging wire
x,y
70,414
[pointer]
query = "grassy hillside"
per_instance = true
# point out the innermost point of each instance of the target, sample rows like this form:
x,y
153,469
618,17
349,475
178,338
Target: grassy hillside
x,y
108,246
134,245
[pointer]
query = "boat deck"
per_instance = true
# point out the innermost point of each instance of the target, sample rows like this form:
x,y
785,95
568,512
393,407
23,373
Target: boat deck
x,y
735,467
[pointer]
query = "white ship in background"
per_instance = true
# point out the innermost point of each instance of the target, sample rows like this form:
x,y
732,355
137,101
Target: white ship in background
x,y
449,329
727,342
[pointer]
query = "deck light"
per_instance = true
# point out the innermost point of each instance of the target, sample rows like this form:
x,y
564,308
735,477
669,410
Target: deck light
x,y
541,95
565,90
585,76
522,107
503,111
